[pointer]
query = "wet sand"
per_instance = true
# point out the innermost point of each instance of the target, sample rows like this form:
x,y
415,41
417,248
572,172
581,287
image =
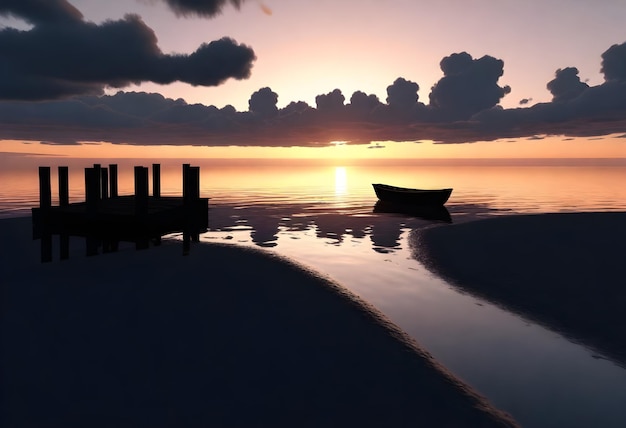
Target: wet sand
x,y
225,337
566,271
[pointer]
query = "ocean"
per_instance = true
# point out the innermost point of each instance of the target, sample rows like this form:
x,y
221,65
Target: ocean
x,y
324,215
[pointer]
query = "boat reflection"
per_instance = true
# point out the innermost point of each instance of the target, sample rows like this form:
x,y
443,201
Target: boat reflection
x,y
425,212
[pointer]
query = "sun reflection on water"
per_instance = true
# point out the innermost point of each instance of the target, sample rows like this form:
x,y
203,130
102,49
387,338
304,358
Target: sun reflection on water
x,y
341,181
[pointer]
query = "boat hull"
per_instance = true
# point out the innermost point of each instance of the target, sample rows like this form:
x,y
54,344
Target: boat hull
x,y
415,197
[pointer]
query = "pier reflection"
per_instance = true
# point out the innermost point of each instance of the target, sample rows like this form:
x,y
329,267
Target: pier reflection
x,y
95,245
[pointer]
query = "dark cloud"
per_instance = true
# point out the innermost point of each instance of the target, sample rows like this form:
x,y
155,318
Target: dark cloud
x,y
525,101
566,85
135,104
362,105
614,63
61,57
41,11
263,102
202,8
331,102
468,86
577,110
402,94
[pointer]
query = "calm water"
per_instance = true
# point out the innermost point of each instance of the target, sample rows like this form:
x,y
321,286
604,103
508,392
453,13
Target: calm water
x,y
323,216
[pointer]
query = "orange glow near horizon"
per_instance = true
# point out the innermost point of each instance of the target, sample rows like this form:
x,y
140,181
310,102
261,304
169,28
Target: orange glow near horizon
x,y
548,147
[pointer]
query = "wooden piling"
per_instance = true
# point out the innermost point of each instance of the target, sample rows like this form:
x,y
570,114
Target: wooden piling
x,y
141,190
64,186
194,183
156,180
45,191
92,189
113,180
186,167
104,183
98,167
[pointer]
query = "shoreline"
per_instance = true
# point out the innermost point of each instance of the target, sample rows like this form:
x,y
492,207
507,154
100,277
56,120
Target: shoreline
x,y
227,335
562,270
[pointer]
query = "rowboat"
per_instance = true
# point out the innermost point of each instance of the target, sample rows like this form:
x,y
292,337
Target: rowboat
x,y
403,195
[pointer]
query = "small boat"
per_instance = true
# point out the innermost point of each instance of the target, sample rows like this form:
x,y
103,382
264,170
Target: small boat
x,y
403,195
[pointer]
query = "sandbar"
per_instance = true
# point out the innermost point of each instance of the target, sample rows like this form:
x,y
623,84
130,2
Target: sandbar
x,y
225,337
566,271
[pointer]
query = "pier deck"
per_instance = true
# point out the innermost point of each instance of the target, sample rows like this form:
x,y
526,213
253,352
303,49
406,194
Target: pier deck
x,y
108,218
118,217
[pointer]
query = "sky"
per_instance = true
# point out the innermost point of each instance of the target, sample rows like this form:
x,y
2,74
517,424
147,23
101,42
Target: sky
x,y
305,78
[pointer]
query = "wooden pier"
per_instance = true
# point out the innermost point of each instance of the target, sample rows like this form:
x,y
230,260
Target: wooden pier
x,y
106,216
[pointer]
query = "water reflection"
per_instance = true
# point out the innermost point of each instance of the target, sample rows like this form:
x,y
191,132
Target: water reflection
x,y
341,181
383,227
433,212
93,245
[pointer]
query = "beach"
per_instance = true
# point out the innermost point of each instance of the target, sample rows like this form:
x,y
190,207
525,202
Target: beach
x,y
563,270
225,336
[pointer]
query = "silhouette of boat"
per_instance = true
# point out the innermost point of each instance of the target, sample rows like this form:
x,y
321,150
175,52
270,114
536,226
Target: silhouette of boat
x,y
411,197
425,212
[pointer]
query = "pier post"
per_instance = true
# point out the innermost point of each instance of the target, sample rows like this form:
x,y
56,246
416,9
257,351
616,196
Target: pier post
x,y
141,190
64,187
92,189
156,180
104,183
186,167
98,167
113,179
193,183
45,191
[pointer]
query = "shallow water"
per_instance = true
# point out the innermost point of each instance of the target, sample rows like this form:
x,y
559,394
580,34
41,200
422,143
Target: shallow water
x,y
323,216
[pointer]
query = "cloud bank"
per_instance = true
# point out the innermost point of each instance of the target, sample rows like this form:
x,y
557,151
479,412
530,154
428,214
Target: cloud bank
x,y
64,56
64,63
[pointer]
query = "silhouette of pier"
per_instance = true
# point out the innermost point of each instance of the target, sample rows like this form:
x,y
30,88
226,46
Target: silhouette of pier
x,y
105,218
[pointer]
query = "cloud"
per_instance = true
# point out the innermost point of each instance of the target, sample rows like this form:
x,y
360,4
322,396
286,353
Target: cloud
x,y
263,102
41,11
566,85
331,102
266,10
202,8
62,55
362,105
577,110
468,86
402,94
614,63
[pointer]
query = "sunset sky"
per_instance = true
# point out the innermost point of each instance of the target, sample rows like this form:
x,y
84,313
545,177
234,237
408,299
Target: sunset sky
x,y
304,73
